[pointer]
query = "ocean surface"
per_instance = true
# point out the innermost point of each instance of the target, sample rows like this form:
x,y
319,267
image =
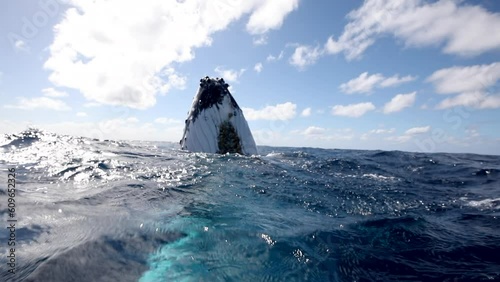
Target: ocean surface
x,y
101,210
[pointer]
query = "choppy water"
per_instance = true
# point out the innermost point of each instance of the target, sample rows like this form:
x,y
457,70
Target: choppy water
x,y
93,210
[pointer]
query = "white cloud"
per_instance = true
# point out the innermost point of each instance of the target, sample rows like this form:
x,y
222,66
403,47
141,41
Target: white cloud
x,y
313,130
418,130
382,131
366,136
468,99
81,114
40,103
477,100
21,45
51,92
258,67
269,14
164,120
419,23
304,56
362,84
489,102
400,102
121,53
306,112
283,111
472,133
460,79
337,137
332,47
352,110
472,84
396,80
365,83
272,58
261,40
173,79
229,74
399,139
409,134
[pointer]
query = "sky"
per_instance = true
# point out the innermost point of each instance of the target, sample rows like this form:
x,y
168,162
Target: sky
x,y
415,75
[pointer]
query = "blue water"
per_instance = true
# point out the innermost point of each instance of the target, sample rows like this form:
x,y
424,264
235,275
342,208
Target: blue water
x,y
94,210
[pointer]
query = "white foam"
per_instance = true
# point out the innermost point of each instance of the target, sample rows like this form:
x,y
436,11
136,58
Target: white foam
x,y
486,203
378,176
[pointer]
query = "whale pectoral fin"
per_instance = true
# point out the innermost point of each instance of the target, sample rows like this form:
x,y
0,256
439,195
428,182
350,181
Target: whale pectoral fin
x,y
216,123
228,139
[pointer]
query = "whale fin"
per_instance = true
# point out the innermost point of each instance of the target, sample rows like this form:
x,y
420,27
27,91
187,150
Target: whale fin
x,y
215,123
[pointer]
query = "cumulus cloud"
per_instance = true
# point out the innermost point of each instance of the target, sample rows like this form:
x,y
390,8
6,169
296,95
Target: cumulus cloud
x,y
382,131
173,80
51,92
459,79
365,83
21,45
396,80
258,67
367,135
409,134
260,40
269,14
419,23
304,56
352,110
476,100
40,103
417,130
124,53
399,102
399,139
362,84
229,74
471,83
314,130
81,114
306,112
283,111
272,58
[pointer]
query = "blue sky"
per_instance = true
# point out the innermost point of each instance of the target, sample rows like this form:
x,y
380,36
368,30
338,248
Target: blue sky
x,y
394,75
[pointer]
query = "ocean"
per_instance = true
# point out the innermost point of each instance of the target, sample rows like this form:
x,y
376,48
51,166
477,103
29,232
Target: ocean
x,y
103,210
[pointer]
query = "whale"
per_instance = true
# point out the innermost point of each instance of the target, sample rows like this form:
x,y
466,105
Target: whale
x,y
215,122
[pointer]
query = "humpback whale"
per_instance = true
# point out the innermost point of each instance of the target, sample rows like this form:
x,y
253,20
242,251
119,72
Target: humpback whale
x,y
215,123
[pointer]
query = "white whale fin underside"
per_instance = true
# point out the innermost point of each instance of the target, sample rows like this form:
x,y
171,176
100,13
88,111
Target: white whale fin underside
x,y
218,128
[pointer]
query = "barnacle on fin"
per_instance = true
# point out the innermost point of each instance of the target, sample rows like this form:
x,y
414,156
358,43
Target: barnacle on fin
x,y
228,139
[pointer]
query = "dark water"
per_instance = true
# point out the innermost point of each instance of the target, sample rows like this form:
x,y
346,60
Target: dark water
x,y
93,210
